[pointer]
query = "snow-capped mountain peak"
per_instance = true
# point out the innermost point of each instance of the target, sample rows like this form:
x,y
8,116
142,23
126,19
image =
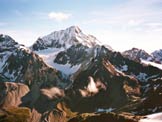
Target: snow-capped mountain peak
x,y
65,38
67,49
74,29
154,59
9,44
157,55
6,41
137,54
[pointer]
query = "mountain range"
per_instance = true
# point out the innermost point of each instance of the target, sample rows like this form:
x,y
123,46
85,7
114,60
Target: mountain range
x,y
69,75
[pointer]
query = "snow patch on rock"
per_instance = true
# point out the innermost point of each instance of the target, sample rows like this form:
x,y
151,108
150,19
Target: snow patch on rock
x,y
151,63
105,110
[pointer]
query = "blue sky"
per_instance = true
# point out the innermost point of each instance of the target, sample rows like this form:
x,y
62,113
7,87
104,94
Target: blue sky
x,y
122,24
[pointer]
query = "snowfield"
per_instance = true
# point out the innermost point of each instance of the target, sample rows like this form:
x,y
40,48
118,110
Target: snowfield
x,y
151,63
157,117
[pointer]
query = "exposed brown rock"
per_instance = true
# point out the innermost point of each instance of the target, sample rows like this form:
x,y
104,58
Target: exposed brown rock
x,y
11,94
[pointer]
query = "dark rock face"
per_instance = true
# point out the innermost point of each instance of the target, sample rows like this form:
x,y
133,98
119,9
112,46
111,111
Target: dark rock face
x,y
104,117
133,68
101,85
3,78
74,55
152,102
27,67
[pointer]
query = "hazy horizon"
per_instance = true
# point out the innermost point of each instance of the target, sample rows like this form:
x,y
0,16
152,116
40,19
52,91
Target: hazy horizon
x,y
122,24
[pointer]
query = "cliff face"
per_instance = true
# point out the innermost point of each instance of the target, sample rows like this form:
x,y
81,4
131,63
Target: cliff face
x,y
11,94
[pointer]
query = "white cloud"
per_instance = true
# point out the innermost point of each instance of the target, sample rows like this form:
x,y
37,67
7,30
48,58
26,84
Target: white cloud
x,y
59,16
